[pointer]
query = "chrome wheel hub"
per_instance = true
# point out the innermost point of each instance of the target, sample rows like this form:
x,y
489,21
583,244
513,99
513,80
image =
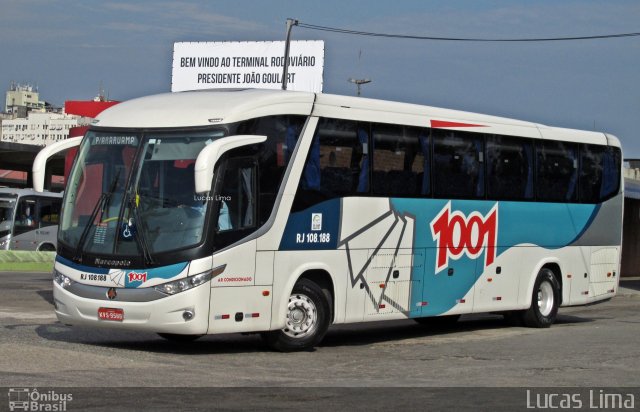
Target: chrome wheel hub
x,y
302,316
545,298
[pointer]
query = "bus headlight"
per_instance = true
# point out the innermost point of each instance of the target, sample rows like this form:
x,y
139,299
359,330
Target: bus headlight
x,y
62,280
180,285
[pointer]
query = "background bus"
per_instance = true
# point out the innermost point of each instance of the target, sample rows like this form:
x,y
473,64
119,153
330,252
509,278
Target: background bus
x,y
29,219
283,212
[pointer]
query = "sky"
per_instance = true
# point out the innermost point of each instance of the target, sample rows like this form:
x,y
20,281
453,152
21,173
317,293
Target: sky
x,y
69,48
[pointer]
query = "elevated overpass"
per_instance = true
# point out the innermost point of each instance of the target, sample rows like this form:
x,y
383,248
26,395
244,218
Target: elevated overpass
x,y
19,157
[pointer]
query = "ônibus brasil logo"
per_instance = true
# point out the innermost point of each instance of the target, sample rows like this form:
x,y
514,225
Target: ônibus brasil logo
x,y
457,234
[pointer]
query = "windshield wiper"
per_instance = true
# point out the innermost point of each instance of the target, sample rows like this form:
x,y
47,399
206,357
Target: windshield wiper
x,y
101,204
140,233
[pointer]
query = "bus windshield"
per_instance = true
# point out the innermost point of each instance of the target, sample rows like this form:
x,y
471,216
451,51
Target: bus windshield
x,y
133,194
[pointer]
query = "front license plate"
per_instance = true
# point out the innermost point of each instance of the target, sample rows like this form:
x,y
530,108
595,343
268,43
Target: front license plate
x,y
113,314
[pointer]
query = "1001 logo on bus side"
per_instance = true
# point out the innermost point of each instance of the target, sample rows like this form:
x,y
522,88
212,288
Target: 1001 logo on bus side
x,y
457,234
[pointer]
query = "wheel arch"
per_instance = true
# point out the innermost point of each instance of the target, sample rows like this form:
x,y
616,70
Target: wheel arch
x,y
323,279
317,273
44,246
552,264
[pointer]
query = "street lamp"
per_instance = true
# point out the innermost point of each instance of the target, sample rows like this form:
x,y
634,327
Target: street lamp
x,y
359,82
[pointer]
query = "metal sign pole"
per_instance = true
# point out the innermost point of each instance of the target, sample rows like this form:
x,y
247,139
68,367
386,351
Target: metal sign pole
x,y
285,69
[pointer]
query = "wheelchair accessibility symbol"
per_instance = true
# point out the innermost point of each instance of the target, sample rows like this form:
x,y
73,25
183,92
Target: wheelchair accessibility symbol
x,y
128,230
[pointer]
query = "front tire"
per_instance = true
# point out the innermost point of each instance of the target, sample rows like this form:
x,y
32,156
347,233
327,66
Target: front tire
x,y
544,301
308,318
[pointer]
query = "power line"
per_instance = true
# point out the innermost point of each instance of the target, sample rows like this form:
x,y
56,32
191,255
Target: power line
x,y
465,39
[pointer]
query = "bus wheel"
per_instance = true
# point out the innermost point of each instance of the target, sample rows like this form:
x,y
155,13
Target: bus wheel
x,y
47,247
544,301
172,337
307,319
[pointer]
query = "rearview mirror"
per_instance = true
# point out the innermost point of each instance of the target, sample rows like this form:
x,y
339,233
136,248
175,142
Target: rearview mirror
x,y
209,156
40,162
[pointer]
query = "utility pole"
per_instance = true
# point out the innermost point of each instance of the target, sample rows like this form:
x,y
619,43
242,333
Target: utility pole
x,y
359,83
285,69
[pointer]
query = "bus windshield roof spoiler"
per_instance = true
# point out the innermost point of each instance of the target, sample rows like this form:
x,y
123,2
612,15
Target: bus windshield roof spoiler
x,y
40,162
209,156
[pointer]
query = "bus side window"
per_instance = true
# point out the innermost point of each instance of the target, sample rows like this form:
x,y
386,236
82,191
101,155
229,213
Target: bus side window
x,y
337,164
400,158
458,164
557,174
236,196
49,212
509,168
283,132
591,172
599,172
611,164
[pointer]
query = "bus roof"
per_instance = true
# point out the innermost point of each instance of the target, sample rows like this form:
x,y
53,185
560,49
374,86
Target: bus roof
x,y
27,192
210,107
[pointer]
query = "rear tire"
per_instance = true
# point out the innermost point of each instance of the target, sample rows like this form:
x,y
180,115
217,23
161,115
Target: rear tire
x,y
47,247
308,318
544,301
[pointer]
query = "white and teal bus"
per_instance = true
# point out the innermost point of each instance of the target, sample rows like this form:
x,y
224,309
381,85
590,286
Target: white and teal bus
x,y
284,212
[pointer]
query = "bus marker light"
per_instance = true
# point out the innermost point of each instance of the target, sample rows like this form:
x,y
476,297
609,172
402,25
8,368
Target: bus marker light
x,y
489,279
382,286
569,276
422,304
611,291
497,298
218,270
382,306
461,301
219,317
586,292
265,293
609,274
251,315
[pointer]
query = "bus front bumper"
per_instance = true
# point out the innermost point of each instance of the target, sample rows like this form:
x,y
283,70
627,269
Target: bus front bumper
x,y
183,313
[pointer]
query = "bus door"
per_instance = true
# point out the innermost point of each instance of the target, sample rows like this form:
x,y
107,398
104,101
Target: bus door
x,y
238,299
25,224
7,209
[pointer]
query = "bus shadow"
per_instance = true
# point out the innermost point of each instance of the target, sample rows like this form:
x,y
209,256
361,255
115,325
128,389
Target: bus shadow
x,y
150,342
360,334
366,334
630,284
47,295
570,319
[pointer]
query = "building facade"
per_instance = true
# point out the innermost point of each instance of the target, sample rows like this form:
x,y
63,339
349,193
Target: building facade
x,y
37,128
24,97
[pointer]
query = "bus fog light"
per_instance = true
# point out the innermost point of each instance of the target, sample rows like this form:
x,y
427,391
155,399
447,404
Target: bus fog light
x,y
180,285
188,315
